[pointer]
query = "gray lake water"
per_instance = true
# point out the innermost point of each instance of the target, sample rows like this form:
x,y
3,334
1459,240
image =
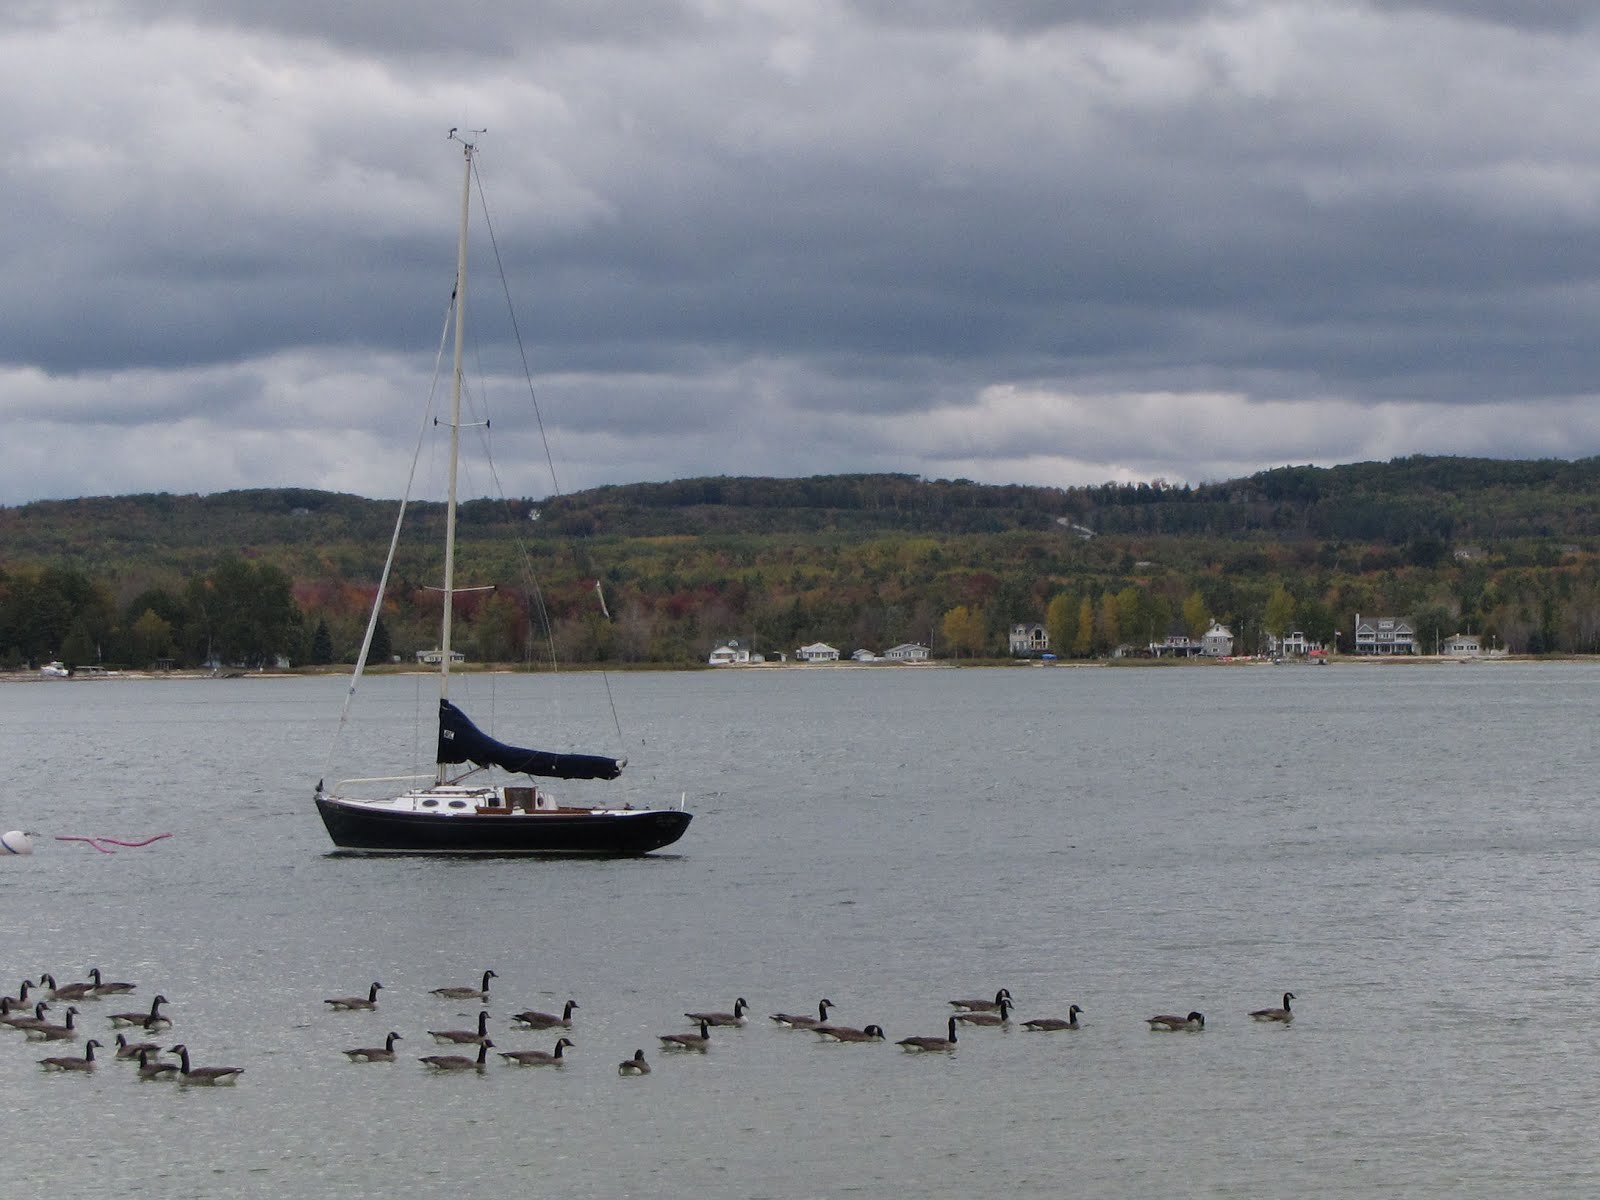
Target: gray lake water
x,y
1411,849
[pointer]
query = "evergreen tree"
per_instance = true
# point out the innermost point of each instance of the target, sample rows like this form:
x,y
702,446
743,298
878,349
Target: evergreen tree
x,y
382,647
321,645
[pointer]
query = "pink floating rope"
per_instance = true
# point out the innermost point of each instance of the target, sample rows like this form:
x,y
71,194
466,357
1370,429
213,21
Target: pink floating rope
x,y
105,849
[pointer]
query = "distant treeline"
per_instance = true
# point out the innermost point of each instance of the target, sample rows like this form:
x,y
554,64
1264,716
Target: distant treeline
x,y
1506,549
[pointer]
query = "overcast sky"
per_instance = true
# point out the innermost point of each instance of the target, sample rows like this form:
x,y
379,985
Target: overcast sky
x,y
1037,241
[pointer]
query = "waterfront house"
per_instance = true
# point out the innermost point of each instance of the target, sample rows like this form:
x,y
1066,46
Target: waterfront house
x,y
1385,635
907,652
729,654
1029,639
1217,641
817,652
1462,645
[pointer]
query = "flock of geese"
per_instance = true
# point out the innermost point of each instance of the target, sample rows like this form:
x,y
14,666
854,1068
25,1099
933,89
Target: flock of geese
x,y
33,1022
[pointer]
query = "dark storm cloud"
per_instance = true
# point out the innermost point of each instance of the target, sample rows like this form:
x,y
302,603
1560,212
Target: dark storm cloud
x,y
779,239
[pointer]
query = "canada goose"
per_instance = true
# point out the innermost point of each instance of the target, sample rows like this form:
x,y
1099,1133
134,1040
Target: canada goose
x,y
843,1033
1193,1023
86,1063
25,1021
466,993
459,1062
688,1041
150,1020
22,993
796,1022
1281,1015
127,1049
923,1044
356,1003
463,1037
204,1076
1051,1024
44,1031
537,1058
982,1005
67,991
543,1020
736,1017
1003,1017
634,1066
155,1070
104,988
372,1053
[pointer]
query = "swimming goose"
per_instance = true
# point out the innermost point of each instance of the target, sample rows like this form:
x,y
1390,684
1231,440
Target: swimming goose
x,y
356,1003
104,988
67,991
373,1053
1003,1017
466,993
634,1066
86,1063
150,1020
982,1005
1281,1015
1193,1023
44,1031
23,1020
688,1041
463,1037
1050,1024
537,1058
844,1033
203,1076
736,1017
543,1020
149,1070
127,1049
458,1062
918,1045
797,1022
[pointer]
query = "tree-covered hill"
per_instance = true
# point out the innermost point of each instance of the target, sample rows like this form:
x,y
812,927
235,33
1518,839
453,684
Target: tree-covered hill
x,y
859,560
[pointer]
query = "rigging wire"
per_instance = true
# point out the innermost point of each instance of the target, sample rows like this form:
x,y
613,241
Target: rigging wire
x,y
544,438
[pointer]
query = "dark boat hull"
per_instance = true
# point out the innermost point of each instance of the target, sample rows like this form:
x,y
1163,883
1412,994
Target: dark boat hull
x,y
358,829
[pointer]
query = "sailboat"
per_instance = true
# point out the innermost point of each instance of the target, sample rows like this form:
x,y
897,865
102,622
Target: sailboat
x,y
450,813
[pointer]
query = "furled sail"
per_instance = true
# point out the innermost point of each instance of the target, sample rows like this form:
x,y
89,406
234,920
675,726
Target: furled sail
x,y
461,741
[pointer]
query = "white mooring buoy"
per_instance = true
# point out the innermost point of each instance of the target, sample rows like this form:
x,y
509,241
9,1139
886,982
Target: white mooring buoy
x,y
15,842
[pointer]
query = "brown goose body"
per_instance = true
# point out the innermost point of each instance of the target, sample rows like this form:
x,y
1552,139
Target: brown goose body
x,y
1167,1023
459,1062
466,993
844,1033
736,1017
374,1053
537,1058
356,1003
925,1045
1004,994
793,1021
1052,1024
533,1019
688,1041
634,1066
44,1031
86,1063
105,987
145,1020
132,1050
1000,1017
204,1076
26,1020
1280,1016
463,1037
69,992
150,1071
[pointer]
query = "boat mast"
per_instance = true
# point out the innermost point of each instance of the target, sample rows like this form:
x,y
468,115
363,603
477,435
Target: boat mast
x,y
455,430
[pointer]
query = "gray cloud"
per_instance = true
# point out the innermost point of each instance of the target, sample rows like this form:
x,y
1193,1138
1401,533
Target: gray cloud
x,y
1188,238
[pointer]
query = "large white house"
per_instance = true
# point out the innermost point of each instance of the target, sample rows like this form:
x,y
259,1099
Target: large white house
x,y
1385,635
1030,638
817,652
1293,643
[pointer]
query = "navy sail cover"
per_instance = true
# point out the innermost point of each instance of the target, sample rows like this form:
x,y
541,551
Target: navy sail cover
x,y
461,741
